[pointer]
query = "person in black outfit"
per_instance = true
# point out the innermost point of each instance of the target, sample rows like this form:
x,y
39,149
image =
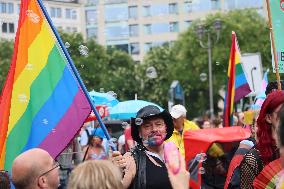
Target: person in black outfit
x,y
144,166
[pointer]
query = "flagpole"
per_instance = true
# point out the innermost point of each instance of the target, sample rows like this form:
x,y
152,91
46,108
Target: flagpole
x,y
273,46
76,73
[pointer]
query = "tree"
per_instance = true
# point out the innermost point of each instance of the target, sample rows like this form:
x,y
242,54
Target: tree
x,y
253,36
156,89
110,69
6,52
188,60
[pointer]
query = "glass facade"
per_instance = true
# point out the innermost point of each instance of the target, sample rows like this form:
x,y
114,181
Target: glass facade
x,y
91,16
55,12
8,27
147,29
133,30
116,12
147,47
242,4
116,31
133,12
173,8
92,32
174,27
201,5
7,8
134,48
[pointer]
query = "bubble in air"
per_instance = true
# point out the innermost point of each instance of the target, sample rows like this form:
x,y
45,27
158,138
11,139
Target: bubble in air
x,y
83,50
203,76
29,67
67,45
138,121
151,72
23,98
201,157
45,121
201,170
33,17
124,124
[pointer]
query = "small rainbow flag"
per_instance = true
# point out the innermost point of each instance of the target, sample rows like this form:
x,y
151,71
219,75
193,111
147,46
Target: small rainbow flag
x,y
237,86
42,104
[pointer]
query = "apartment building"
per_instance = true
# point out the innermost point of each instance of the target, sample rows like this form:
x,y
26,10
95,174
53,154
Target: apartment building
x,y
135,26
67,15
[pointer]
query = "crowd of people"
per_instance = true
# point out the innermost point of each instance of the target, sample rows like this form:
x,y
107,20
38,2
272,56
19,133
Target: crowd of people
x,y
140,163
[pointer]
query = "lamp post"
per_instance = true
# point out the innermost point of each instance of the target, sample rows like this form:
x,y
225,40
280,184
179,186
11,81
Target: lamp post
x,y
201,31
252,80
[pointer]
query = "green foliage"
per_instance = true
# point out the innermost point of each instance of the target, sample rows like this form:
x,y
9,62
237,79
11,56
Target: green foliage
x,y
156,90
188,59
111,69
6,51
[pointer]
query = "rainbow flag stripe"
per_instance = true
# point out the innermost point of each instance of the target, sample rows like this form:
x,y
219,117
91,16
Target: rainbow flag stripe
x,y
237,86
42,104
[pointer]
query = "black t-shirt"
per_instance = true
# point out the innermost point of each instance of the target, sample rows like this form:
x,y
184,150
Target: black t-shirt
x,y
157,177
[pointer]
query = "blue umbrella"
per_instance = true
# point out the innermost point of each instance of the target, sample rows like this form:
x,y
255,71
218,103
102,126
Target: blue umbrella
x,y
128,109
103,99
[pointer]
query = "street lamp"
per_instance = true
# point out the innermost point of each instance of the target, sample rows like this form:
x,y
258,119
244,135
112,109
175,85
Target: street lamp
x,y
252,80
201,31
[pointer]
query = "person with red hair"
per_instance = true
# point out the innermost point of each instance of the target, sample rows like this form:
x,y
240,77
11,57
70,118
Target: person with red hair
x,y
261,163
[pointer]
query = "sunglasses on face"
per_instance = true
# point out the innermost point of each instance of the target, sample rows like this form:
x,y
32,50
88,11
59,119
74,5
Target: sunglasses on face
x,y
56,165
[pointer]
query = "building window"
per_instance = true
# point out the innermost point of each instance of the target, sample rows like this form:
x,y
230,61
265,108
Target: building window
x,y
146,10
3,7
173,8
93,2
18,8
133,30
91,16
4,27
55,12
92,33
8,27
187,23
159,28
188,6
133,12
134,48
174,27
147,47
116,12
74,29
68,13
10,8
11,28
215,4
116,32
74,14
147,29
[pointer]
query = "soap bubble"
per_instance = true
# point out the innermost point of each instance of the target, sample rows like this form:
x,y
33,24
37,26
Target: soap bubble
x,y
201,157
33,17
151,72
124,124
203,76
45,121
138,121
23,98
201,170
83,50
67,45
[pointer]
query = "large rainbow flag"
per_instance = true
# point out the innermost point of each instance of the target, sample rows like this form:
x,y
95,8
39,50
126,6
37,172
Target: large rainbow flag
x,y
237,86
42,104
